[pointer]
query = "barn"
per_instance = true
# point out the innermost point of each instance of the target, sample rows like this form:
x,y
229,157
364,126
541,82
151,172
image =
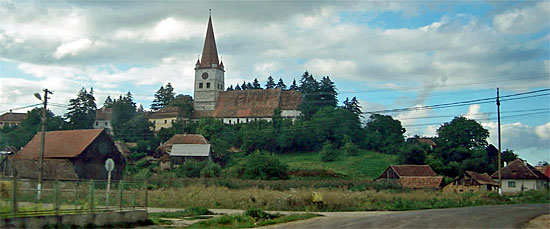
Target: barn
x,y
70,155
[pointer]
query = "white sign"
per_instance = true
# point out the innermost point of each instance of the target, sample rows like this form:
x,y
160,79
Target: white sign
x,y
109,165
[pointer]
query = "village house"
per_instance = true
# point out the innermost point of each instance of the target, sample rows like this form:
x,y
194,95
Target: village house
x,y
70,155
12,119
521,176
412,176
163,118
545,169
182,147
103,119
232,107
472,182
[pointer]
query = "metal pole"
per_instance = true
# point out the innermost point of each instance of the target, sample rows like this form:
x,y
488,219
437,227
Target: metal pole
x,y
499,159
42,144
108,189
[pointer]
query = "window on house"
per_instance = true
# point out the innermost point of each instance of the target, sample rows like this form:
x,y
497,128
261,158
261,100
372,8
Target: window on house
x,y
247,120
165,121
96,123
106,123
200,85
154,121
511,184
238,121
229,121
207,85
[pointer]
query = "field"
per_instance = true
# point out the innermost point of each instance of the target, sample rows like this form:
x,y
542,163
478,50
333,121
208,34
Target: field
x,y
367,165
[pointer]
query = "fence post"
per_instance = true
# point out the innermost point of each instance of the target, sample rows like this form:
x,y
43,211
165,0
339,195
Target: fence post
x,y
146,188
91,195
14,196
56,197
133,200
121,190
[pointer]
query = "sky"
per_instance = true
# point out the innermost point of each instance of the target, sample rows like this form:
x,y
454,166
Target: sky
x,y
389,54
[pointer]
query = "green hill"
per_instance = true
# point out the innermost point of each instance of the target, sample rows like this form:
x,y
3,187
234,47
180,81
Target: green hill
x,y
366,165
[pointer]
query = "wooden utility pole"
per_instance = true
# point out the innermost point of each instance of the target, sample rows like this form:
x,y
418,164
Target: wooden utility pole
x,y
42,142
499,159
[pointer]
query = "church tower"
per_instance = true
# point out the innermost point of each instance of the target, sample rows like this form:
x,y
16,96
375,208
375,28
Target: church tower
x,y
209,74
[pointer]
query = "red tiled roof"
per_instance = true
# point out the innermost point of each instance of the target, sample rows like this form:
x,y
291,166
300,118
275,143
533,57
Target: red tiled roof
x,y
103,113
545,169
413,170
482,178
519,169
60,144
13,117
421,181
209,50
166,112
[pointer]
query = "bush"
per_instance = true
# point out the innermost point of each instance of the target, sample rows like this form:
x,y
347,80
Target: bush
x,y
191,168
261,166
259,214
211,170
135,156
329,152
350,149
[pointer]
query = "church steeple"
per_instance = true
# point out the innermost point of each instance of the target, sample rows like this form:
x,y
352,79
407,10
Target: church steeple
x,y
209,56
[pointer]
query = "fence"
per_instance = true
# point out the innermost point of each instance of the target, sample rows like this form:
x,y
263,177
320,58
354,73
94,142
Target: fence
x,y
20,197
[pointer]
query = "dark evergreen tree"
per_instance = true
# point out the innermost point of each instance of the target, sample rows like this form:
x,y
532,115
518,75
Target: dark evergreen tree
x,y
81,111
270,83
294,86
256,84
281,84
249,86
244,86
327,92
311,96
108,102
353,106
230,88
238,88
123,110
162,97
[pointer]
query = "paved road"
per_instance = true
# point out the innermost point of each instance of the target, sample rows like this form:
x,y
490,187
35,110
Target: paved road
x,y
493,216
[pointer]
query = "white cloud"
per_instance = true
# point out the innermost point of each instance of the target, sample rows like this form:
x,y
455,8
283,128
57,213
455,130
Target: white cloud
x,y
543,131
72,48
331,67
474,112
529,19
170,30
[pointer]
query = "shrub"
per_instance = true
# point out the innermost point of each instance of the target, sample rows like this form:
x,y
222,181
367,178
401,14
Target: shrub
x,y
211,170
350,149
259,214
191,168
329,152
135,156
261,166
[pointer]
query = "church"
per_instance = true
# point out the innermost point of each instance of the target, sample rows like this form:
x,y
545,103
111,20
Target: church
x,y
232,107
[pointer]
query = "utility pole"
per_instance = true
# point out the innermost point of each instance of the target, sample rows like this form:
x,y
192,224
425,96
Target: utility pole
x,y
42,141
499,159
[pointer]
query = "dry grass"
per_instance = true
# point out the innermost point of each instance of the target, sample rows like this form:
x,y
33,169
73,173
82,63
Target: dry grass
x,y
332,199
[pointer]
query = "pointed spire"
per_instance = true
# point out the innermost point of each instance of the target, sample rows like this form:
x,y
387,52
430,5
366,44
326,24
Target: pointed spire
x,y
209,51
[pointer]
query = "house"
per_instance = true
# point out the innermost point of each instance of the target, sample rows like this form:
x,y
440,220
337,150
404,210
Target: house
x,y
181,147
70,154
472,182
519,175
12,119
412,176
232,107
163,118
545,169
103,119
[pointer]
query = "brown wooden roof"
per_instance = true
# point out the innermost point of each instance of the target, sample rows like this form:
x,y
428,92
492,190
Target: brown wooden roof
x,y
519,169
482,178
60,144
421,181
413,170
166,112
13,117
209,50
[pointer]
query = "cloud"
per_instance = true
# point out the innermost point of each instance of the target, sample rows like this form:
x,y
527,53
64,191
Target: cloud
x,y
529,19
475,113
543,131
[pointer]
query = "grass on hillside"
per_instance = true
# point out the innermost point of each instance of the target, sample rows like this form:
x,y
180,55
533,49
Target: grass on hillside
x,y
366,164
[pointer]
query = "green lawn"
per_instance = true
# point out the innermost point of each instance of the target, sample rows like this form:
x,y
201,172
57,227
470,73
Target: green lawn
x,y
367,164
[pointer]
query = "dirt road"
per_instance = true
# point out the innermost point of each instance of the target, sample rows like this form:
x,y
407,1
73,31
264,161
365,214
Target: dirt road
x,y
493,216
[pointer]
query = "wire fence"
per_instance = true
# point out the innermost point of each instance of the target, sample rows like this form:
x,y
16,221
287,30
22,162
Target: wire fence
x,y
21,197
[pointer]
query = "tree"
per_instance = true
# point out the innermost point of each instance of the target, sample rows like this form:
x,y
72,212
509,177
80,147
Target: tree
x,y
244,86
281,84
348,147
230,88
327,92
256,84
19,136
270,83
294,86
353,106
384,134
123,110
163,97
184,103
108,102
413,155
311,101
259,165
329,152
249,86
81,111
237,87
